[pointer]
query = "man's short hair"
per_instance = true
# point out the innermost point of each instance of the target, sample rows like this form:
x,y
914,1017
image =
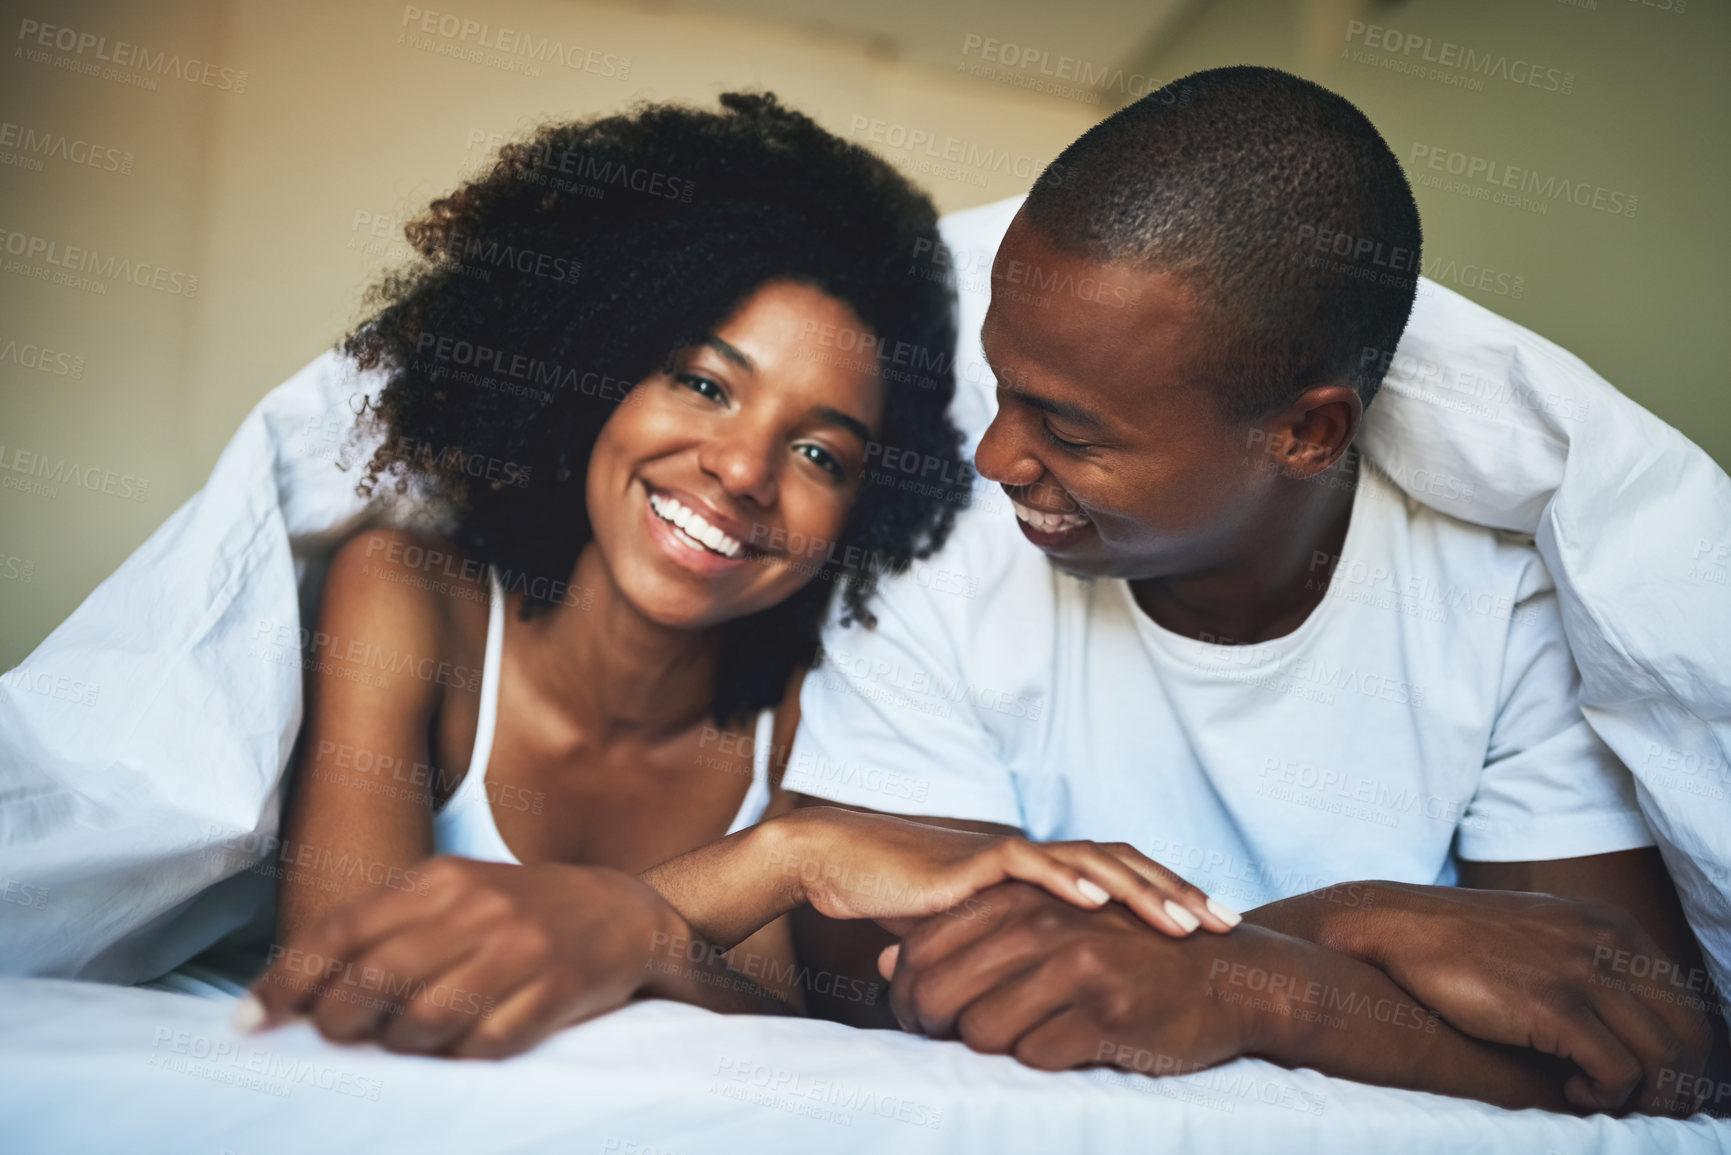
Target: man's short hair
x,y
1281,205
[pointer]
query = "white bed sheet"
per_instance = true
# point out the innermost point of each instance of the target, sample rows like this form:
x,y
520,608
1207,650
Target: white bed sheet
x,y
92,1068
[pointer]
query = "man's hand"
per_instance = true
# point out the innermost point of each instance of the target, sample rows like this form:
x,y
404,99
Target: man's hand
x,y
485,960
1538,971
1057,987
1023,974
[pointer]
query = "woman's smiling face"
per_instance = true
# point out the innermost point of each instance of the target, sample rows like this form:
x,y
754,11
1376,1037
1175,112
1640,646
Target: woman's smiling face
x,y
718,487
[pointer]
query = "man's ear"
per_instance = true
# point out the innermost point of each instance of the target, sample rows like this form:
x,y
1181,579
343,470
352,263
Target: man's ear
x,y
1315,430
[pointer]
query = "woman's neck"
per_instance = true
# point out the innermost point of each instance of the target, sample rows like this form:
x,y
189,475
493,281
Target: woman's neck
x,y
610,670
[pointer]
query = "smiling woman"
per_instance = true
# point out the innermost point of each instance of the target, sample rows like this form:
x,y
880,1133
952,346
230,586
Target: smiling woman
x,y
765,196
612,402
648,545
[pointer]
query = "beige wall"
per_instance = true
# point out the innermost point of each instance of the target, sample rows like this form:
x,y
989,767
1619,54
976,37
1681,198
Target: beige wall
x,y
342,118
1639,297
118,400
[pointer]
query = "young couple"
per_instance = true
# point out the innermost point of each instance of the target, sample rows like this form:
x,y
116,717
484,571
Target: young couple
x,y
605,813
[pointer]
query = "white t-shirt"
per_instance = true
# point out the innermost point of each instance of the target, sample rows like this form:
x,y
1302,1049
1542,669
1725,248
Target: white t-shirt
x,y
1427,707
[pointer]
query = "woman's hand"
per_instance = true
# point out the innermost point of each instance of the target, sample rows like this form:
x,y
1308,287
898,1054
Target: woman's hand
x,y
485,961
1578,980
853,864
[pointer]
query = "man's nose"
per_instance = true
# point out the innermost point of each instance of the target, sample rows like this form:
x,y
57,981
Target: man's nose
x,y
1003,457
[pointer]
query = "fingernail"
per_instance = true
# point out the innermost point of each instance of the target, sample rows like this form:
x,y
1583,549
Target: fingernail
x,y
250,1015
887,959
1224,913
1093,891
1182,917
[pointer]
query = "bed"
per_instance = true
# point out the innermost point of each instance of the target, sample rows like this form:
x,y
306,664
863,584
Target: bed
x,y
93,1068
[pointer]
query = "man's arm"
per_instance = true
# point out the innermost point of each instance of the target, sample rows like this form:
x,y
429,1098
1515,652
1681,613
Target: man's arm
x,y
1588,959
1677,982
1340,916
1635,880
1062,988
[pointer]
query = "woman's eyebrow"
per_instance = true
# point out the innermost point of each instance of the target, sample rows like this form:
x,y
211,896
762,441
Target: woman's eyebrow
x,y
847,421
732,354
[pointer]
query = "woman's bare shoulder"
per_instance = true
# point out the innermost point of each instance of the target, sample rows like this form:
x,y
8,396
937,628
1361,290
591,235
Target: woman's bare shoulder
x,y
420,571
408,593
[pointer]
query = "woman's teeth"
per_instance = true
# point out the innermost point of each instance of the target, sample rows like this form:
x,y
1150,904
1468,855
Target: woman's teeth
x,y
691,525
1049,522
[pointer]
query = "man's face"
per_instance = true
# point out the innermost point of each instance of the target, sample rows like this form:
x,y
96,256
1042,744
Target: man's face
x,y
1119,465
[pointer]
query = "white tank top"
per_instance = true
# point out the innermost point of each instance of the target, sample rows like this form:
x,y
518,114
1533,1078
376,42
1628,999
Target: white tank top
x,y
465,826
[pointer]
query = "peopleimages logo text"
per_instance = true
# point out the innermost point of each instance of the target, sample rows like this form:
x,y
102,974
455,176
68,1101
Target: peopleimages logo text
x,y
34,33
1494,173
30,247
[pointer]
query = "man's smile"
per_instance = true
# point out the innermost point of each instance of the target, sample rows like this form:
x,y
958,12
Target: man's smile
x,y
1048,529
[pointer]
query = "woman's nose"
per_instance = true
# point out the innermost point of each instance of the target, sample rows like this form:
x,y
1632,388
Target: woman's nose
x,y
744,462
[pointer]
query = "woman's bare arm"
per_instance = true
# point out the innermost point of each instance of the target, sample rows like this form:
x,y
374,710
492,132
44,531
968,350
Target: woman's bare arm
x,y
358,836
360,815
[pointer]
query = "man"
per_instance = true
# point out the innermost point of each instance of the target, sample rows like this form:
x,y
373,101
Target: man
x,y
1184,641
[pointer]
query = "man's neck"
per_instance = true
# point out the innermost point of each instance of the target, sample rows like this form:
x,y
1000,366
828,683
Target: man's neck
x,y
1275,581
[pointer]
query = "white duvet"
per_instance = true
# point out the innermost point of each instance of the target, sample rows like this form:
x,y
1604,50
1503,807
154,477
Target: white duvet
x,y
142,747
92,1068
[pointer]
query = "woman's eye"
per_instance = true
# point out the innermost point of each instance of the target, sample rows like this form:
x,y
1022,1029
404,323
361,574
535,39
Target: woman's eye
x,y
1071,446
702,386
823,458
